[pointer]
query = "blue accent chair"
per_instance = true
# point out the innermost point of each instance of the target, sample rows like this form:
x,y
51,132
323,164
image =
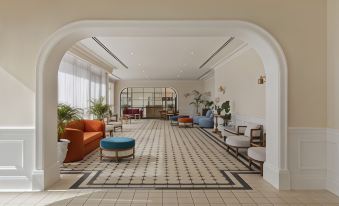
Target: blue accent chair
x,y
207,122
196,118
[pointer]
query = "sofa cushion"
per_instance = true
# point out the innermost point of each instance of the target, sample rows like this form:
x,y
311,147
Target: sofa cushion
x,y
249,127
238,141
257,153
117,143
77,124
208,113
93,125
92,136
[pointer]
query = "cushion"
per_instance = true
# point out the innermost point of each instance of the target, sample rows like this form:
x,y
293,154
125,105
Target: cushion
x,y
249,127
93,125
208,113
238,141
77,124
91,136
117,143
109,127
116,124
257,153
185,120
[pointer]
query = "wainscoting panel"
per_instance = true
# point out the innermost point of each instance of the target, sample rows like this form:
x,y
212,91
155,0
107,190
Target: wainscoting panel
x,y
16,162
307,157
332,183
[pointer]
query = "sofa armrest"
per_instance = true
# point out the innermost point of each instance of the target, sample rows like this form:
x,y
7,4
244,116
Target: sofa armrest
x,y
76,149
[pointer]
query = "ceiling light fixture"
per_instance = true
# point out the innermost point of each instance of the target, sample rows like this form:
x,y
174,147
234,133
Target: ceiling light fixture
x,y
143,70
192,52
132,53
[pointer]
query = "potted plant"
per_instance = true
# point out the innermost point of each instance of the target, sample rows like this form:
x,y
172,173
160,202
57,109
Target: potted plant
x,y
227,108
99,109
66,114
197,99
207,106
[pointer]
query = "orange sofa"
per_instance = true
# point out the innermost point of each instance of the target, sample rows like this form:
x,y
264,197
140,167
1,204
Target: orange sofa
x,y
85,136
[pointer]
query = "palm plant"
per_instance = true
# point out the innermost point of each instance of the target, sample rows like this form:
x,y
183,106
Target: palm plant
x,y
66,114
98,108
198,99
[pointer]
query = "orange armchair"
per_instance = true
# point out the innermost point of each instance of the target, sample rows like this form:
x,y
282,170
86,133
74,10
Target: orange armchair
x,y
85,136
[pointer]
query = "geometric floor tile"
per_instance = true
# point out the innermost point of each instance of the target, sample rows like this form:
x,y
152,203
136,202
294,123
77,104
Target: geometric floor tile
x,y
166,157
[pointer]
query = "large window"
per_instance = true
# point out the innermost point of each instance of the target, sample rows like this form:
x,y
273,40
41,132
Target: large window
x,y
138,97
79,82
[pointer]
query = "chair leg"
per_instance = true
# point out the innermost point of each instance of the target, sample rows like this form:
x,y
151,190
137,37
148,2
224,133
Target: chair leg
x,y
100,154
237,151
261,168
249,163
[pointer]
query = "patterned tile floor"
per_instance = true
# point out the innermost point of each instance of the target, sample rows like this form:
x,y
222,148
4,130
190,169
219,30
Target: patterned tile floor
x,y
166,157
261,193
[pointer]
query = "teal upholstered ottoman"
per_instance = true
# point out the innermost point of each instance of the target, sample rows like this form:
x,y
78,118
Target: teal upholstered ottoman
x,y
117,147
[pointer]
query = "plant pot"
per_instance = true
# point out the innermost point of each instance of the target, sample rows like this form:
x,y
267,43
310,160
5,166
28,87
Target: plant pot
x,y
62,149
204,111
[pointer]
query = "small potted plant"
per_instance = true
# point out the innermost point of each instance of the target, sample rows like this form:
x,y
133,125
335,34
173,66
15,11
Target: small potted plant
x,y
99,109
66,114
227,108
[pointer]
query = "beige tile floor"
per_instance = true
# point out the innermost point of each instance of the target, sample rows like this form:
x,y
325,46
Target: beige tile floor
x,y
261,193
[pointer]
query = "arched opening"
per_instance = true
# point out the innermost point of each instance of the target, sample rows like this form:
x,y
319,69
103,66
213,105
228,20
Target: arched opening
x,y
275,168
151,100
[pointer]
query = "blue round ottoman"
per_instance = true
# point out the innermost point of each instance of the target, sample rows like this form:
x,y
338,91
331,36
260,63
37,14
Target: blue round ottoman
x,y
117,147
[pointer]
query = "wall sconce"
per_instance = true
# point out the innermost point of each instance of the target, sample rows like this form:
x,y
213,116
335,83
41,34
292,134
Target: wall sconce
x,y
221,89
262,79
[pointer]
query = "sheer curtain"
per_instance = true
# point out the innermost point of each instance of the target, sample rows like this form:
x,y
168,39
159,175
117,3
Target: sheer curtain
x,y
79,82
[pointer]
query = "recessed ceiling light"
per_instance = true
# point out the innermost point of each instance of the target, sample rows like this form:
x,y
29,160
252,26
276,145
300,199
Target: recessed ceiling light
x,y
192,52
143,70
132,53
184,65
181,71
139,64
178,75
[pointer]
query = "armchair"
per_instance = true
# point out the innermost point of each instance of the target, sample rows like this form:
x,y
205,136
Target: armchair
x,y
252,133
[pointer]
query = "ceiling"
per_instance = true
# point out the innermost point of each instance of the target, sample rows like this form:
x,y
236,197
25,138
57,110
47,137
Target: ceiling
x,y
161,58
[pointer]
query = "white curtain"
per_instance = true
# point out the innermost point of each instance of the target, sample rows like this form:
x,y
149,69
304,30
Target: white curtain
x,y
79,82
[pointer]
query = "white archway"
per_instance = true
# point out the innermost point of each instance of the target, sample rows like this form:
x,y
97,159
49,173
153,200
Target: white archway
x,y
275,168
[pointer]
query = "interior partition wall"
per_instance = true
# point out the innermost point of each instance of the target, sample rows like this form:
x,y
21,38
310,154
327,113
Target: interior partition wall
x,y
151,99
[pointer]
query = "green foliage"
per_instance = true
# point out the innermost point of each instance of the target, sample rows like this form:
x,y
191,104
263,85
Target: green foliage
x,y
66,114
226,107
208,104
197,99
98,108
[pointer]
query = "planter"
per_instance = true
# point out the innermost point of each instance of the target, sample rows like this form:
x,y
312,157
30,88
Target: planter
x,y
62,150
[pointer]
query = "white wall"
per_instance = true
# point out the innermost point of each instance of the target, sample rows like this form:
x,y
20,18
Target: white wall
x,y
181,86
332,145
239,76
209,86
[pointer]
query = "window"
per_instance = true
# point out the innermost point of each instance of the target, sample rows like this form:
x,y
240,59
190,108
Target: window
x,y
79,82
138,97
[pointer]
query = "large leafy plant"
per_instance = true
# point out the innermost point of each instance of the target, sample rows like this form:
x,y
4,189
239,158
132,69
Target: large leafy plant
x,y
66,114
99,109
198,98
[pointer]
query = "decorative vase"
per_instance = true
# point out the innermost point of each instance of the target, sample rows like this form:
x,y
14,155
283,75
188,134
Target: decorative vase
x,y
62,150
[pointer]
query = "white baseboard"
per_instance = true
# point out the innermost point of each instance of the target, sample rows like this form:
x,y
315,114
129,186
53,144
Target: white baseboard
x,y
280,179
332,181
16,164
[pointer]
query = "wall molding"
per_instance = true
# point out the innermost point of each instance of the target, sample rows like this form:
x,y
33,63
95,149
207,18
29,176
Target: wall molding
x,y
243,119
307,157
332,156
17,145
